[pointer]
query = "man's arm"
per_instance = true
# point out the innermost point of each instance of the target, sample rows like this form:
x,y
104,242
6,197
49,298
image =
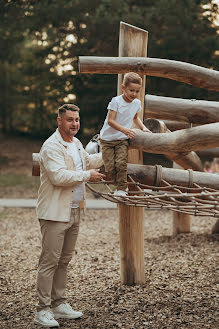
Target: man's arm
x,y
54,165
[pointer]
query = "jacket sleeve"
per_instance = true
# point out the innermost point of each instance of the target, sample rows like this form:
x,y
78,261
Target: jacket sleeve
x,y
52,161
93,161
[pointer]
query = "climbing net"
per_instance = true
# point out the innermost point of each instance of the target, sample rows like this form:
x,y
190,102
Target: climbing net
x,y
193,199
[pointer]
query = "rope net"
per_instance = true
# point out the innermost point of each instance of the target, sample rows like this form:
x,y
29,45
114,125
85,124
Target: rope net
x,y
193,199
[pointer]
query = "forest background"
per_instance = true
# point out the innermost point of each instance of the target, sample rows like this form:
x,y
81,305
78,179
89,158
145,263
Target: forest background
x,y
42,39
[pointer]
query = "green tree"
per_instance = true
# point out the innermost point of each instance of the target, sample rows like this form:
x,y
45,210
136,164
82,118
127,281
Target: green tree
x,y
42,39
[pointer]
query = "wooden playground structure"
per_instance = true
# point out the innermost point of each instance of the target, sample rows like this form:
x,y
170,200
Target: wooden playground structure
x,y
199,120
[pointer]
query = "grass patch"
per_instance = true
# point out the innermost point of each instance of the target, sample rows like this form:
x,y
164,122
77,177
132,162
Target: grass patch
x,y
8,180
3,214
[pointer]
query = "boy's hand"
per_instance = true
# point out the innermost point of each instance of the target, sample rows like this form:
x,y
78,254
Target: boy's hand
x,y
129,133
146,130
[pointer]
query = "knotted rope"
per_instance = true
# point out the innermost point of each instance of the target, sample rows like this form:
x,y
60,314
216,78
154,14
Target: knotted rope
x,y
192,199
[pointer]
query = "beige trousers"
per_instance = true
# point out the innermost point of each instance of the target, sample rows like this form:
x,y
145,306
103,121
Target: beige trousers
x,y
58,244
115,158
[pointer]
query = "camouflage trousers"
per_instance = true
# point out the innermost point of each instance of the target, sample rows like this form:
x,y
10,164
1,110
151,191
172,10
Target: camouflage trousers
x,y
115,158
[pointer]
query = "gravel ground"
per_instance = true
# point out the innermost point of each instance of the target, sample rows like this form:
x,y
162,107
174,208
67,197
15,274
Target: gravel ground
x,y
180,274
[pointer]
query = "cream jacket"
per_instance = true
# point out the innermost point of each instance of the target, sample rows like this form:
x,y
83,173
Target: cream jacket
x,y
58,176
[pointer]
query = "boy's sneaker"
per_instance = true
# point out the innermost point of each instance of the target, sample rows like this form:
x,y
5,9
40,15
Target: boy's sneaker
x,y
45,318
120,193
65,311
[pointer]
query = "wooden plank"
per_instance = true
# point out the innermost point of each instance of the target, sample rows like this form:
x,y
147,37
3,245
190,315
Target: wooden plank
x,y
180,71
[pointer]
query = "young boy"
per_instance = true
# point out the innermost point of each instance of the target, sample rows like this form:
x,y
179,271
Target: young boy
x,y
122,112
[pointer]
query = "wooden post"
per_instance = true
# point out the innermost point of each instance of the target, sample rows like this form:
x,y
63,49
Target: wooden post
x,y
132,42
181,221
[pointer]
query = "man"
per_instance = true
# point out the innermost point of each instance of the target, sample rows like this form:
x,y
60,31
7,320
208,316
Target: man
x,y
64,168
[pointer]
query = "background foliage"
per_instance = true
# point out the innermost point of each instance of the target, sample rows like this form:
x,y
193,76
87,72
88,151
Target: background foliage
x,y
42,39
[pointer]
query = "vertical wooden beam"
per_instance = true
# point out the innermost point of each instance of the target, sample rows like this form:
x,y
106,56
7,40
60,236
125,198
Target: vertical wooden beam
x,y
132,43
181,221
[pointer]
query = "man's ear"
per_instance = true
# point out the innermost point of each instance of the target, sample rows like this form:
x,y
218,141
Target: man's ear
x,y
58,120
123,87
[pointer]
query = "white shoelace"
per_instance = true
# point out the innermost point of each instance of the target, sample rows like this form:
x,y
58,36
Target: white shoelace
x,y
48,315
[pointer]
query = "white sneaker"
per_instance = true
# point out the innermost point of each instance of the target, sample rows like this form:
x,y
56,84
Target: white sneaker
x,y
46,319
120,193
65,311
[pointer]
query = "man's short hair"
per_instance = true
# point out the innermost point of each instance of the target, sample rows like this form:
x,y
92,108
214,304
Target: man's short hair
x,y
68,107
132,77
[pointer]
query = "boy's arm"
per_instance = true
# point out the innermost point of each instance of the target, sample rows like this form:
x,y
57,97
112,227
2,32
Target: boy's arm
x,y
140,124
112,123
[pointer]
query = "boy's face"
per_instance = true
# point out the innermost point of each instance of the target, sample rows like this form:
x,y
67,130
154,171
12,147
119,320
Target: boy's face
x,y
131,91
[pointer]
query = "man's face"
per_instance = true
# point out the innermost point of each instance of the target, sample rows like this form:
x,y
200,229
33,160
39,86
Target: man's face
x,y
69,124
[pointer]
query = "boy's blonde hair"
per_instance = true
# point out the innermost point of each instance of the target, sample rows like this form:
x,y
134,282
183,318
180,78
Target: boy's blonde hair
x,y
132,77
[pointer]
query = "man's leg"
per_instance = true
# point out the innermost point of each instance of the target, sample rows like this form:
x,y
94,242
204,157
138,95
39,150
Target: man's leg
x,y
60,276
52,243
60,308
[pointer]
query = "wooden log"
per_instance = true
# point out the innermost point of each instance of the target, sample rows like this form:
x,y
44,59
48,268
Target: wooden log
x,y
36,165
187,161
176,125
181,221
147,175
184,72
209,153
189,111
132,42
181,141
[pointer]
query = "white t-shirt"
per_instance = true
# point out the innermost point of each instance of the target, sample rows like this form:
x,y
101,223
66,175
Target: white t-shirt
x,y
125,113
78,193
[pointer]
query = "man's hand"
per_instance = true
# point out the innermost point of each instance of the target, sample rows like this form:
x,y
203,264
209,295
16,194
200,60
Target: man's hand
x,y
96,176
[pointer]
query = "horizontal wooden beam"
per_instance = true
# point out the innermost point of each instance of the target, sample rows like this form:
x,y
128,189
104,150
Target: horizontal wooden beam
x,y
177,125
186,161
184,72
186,111
209,153
181,141
147,174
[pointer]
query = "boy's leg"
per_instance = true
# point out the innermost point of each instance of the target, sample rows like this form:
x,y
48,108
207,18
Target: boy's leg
x,y
60,276
121,154
108,155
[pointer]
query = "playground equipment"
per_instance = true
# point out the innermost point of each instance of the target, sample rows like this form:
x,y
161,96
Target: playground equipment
x,y
182,191
133,43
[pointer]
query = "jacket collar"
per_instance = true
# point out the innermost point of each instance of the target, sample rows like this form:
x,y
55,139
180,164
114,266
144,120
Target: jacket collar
x,y
61,140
